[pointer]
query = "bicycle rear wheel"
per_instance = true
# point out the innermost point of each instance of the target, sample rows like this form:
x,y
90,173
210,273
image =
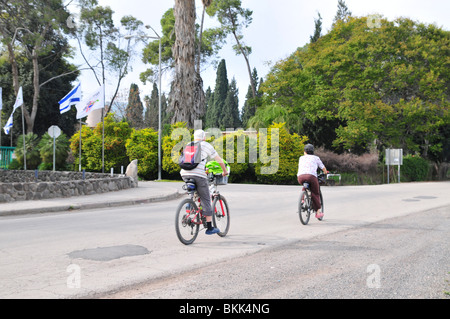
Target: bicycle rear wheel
x,y
221,215
304,207
187,221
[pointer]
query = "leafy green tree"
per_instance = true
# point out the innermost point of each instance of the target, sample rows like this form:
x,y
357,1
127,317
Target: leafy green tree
x,y
104,39
385,86
34,31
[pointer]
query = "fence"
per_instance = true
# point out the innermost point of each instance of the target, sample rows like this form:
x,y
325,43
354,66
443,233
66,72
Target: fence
x,y
6,156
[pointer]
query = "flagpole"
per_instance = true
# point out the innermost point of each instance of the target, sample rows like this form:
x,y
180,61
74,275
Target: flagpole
x,y
24,148
80,145
103,124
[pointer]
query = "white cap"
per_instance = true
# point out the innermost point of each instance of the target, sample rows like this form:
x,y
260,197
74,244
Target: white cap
x,y
199,135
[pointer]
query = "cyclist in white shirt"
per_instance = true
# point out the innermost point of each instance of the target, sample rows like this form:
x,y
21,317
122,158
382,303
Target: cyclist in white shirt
x,y
201,178
307,172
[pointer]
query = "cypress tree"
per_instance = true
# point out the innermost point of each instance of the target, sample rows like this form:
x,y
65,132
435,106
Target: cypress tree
x,y
250,104
152,109
214,113
135,108
230,113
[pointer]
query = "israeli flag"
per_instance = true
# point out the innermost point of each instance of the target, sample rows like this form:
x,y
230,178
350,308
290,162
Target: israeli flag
x,y
73,98
9,125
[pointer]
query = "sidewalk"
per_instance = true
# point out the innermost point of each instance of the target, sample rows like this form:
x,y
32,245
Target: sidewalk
x,y
147,192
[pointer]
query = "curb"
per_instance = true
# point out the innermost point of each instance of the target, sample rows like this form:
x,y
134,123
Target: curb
x,y
77,207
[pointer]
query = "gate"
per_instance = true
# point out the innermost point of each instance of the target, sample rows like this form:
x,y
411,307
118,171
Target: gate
x,y
6,156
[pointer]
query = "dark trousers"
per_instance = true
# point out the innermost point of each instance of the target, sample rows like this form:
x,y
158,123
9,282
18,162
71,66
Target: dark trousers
x,y
203,192
315,189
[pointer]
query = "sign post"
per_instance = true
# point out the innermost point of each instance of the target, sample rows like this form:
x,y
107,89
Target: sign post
x,y
394,157
54,132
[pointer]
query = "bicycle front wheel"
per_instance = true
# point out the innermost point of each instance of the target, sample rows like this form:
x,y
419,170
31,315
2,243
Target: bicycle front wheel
x,y
221,215
304,207
187,221
321,203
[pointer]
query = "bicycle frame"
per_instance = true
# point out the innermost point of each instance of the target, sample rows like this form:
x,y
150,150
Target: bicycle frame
x,y
196,199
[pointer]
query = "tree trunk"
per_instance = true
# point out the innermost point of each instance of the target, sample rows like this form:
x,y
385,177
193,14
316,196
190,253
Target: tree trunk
x,y
187,97
37,90
15,69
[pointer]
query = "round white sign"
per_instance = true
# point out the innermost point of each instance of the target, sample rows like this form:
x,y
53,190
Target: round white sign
x,y
54,131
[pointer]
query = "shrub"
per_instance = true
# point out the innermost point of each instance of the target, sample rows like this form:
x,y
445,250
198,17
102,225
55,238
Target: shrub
x,y
235,150
348,163
62,147
116,135
414,168
143,146
281,169
169,160
32,151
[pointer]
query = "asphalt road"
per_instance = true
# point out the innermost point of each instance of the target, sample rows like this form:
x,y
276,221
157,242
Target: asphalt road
x,y
399,258
387,241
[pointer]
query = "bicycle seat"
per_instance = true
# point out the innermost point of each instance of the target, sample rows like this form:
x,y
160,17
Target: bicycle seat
x,y
190,185
306,185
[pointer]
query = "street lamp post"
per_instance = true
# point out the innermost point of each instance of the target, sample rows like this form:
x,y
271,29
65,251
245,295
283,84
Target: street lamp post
x,y
159,93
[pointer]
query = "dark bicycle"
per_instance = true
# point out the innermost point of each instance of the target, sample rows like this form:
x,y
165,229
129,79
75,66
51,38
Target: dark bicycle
x,y
305,208
189,216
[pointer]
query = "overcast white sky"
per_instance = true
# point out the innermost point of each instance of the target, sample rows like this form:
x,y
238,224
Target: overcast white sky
x,y
278,28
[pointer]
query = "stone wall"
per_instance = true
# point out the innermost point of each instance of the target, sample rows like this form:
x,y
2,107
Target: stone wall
x,y
31,185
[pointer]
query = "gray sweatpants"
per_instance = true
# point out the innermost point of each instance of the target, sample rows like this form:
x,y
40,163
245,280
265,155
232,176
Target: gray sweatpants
x,y
203,192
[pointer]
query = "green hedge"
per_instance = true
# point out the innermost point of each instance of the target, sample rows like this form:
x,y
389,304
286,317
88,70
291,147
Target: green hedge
x,y
414,168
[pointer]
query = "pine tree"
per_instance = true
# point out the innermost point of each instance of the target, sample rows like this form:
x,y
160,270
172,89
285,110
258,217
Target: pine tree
x,y
318,29
135,108
214,113
343,13
230,113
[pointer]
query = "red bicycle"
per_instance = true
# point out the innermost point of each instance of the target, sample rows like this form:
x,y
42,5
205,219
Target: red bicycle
x,y
189,217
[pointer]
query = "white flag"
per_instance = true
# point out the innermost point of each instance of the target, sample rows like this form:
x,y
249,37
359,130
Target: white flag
x,y
94,102
73,98
9,125
1,99
19,100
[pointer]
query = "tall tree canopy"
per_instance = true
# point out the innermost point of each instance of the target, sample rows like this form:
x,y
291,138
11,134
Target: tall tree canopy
x,y
233,18
34,29
387,86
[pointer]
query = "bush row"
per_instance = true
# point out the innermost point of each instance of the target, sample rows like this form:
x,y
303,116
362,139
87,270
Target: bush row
x,y
268,156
